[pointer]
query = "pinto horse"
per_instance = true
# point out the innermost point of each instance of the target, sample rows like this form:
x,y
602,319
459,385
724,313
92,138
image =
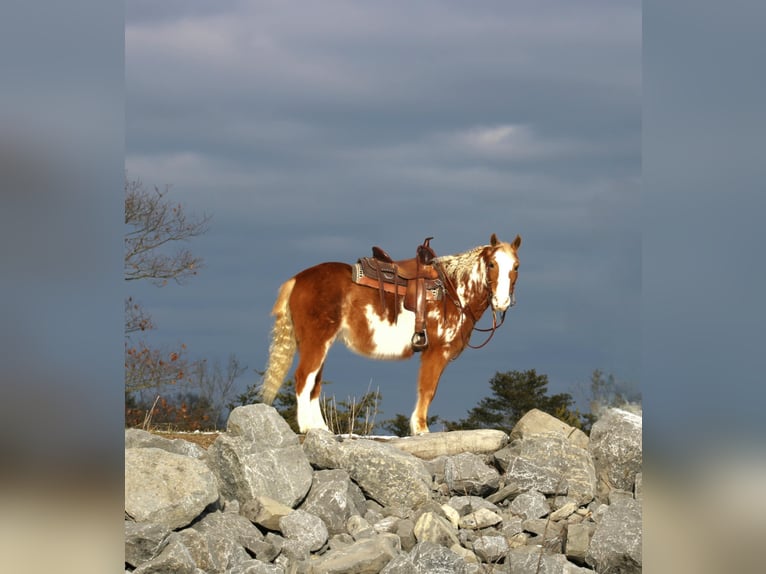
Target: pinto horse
x,y
322,303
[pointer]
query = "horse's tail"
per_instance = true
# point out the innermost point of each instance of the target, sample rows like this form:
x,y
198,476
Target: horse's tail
x,y
283,345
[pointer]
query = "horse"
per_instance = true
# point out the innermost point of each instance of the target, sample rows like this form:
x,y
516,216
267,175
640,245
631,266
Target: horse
x,y
322,303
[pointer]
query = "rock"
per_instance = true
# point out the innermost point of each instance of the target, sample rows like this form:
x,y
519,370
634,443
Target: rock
x,y
506,492
255,567
482,518
547,533
562,463
432,445
359,528
334,498
537,422
367,556
578,541
386,474
467,504
212,552
262,426
490,548
451,514
467,474
166,488
433,528
427,558
175,558
616,544
232,527
526,559
136,438
523,474
638,491
530,505
616,447
265,511
245,470
405,530
142,540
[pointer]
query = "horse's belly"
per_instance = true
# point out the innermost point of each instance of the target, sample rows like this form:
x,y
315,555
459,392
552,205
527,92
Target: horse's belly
x,y
382,339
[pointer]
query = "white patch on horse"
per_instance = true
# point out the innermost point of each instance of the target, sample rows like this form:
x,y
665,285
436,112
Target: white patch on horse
x,y
501,299
390,340
309,413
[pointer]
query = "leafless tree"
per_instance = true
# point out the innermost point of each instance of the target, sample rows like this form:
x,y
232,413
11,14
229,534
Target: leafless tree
x,y
156,224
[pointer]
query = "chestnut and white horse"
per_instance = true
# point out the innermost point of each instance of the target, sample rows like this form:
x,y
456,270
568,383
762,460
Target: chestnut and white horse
x,y
322,303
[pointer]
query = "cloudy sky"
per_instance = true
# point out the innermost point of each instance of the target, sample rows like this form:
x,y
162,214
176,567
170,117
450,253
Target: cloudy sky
x,y
312,131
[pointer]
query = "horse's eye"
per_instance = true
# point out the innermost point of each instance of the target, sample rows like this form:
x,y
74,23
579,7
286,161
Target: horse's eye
x,y
516,267
491,265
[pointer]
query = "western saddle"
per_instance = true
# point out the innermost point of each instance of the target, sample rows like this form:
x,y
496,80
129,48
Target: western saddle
x,y
417,280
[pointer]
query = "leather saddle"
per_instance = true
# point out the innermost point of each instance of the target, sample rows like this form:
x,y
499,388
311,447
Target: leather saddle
x,y
417,280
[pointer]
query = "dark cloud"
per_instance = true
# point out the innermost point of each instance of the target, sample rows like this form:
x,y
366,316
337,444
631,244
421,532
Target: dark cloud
x,y
314,132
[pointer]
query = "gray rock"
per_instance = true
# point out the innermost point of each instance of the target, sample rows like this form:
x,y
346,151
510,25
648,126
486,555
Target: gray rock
x,y
467,474
265,511
255,567
537,422
262,426
166,488
427,558
386,474
533,559
616,544
436,444
563,462
547,533
405,530
174,558
334,498
367,556
358,527
524,474
433,528
301,525
490,548
467,504
530,504
638,491
245,470
616,447
142,540
482,518
509,491
137,438
578,541
232,527
211,552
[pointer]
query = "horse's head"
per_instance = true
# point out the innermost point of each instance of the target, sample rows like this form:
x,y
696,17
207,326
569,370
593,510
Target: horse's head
x,y
502,272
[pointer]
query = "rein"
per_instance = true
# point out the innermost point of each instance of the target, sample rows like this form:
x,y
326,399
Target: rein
x,y
452,294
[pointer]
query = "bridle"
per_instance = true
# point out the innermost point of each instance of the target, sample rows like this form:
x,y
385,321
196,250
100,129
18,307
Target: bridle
x,y
451,291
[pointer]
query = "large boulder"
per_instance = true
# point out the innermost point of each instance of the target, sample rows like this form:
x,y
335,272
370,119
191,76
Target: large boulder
x,y
166,488
260,455
551,463
137,438
334,498
536,422
616,545
468,474
386,474
616,448
432,445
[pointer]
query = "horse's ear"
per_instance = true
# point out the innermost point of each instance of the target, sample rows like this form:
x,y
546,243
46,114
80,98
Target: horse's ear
x,y
493,240
516,242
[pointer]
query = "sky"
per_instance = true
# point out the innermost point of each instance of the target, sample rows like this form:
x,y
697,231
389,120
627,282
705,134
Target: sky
x,y
312,131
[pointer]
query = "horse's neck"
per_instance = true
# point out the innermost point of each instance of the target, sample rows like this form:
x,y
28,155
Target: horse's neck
x,y
472,295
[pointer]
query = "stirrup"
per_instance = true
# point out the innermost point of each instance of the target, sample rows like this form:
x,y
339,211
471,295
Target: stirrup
x,y
419,341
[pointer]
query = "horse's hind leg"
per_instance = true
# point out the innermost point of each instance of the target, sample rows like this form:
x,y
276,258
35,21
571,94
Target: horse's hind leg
x,y
432,364
308,384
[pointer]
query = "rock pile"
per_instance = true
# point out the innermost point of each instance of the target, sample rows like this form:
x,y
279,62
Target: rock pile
x,y
547,499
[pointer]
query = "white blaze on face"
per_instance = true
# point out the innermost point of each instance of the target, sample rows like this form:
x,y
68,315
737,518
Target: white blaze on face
x,y
501,298
390,339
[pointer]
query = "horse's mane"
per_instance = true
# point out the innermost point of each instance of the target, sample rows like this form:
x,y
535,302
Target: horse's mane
x,y
460,265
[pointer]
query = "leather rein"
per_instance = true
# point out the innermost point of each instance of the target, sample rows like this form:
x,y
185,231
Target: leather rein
x,y
452,294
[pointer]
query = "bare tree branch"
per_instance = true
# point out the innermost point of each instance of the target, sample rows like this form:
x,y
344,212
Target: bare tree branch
x,y
155,223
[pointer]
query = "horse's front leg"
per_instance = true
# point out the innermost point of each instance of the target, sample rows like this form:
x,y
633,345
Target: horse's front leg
x,y
432,363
